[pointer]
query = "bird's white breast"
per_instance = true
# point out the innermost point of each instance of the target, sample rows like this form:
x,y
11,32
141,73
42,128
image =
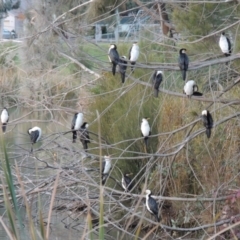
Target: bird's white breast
x,y
123,183
147,205
223,44
145,128
134,53
79,121
107,166
188,87
4,116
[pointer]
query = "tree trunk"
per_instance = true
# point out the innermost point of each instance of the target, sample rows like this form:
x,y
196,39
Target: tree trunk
x,y
165,24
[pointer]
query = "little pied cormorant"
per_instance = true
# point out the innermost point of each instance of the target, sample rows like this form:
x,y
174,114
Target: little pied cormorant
x,y
113,57
84,135
183,62
151,205
156,80
145,129
4,119
122,67
106,166
35,134
225,45
77,122
127,183
191,88
133,54
207,122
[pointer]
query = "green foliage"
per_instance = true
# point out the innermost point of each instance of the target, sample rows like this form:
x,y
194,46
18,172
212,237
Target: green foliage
x,y
122,106
100,8
9,181
196,20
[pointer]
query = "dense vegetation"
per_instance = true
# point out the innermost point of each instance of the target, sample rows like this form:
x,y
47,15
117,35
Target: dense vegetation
x,y
57,71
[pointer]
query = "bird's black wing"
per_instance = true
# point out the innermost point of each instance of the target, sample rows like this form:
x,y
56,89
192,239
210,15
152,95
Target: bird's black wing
x,y
154,77
210,120
84,138
197,94
127,180
129,183
103,166
84,135
122,65
181,61
205,121
186,62
122,68
34,136
130,53
104,178
153,205
114,56
229,45
158,80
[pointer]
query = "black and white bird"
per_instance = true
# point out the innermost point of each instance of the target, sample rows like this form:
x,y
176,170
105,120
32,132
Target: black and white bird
x,y
35,135
145,129
4,119
133,54
113,57
77,122
151,205
106,166
127,183
123,67
225,44
207,122
191,88
84,135
183,62
156,80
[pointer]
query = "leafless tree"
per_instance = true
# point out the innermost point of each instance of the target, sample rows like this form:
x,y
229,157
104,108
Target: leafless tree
x,y
58,69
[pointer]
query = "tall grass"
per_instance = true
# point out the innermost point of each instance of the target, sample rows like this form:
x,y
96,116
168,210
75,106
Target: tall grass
x,y
12,200
201,166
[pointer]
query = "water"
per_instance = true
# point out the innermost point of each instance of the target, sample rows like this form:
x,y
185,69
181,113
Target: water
x,y
78,188
54,149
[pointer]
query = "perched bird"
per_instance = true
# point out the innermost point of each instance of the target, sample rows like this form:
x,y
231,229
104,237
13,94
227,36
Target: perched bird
x,y
156,80
145,129
191,88
133,54
207,122
84,137
183,62
4,119
77,122
151,205
127,183
106,166
122,67
35,134
113,57
225,44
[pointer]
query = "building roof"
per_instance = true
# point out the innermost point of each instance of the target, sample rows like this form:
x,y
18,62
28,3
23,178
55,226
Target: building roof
x,y
127,20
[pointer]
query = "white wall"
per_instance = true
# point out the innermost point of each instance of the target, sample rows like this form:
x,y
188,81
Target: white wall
x,y
9,22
